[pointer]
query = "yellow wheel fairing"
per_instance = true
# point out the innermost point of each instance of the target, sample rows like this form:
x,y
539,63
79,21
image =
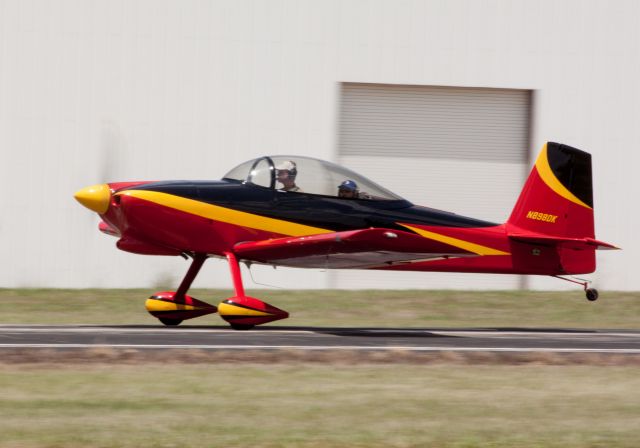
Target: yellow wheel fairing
x,y
170,311
226,215
155,305
228,309
462,244
546,174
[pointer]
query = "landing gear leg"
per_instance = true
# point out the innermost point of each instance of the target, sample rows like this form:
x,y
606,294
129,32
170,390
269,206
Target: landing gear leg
x,y
591,293
244,312
171,308
196,265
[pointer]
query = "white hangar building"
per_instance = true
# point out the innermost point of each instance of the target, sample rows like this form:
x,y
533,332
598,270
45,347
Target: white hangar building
x,y
443,102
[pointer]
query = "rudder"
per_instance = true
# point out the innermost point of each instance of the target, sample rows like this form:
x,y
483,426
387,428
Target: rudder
x,y
557,198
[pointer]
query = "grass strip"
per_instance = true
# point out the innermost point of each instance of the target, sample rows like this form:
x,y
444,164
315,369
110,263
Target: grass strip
x,y
120,355
304,405
412,308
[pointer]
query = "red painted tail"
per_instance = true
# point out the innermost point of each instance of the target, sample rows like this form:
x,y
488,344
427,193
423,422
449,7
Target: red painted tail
x,y
555,208
557,199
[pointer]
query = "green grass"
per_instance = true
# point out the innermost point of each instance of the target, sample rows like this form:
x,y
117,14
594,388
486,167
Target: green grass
x,y
306,405
419,308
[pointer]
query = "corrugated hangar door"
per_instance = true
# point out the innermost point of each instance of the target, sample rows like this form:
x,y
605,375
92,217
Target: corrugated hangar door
x,y
463,150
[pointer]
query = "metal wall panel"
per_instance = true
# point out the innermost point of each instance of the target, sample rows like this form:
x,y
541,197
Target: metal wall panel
x,y
434,122
98,90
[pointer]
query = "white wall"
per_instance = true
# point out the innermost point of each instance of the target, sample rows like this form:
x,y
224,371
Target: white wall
x,y
120,90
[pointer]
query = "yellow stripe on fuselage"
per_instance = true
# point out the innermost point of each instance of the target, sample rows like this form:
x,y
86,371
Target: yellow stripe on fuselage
x,y
223,214
462,244
546,173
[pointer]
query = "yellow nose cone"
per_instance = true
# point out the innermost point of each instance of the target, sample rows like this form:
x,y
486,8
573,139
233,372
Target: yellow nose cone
x,y
95,197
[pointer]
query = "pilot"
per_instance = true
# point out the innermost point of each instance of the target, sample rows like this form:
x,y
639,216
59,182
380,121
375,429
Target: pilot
x,y
286,173
348,189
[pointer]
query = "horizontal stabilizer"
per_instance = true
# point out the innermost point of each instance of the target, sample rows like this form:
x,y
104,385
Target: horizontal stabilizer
x,y
568,243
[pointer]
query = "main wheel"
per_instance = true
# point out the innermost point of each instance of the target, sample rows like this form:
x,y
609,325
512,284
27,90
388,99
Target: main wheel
x,y
170,322
242,327
592,294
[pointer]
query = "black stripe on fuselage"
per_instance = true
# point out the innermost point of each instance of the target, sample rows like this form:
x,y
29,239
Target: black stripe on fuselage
x,y
326,212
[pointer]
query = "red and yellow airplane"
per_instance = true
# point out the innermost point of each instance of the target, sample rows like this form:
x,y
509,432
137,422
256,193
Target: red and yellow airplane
x,y
307,213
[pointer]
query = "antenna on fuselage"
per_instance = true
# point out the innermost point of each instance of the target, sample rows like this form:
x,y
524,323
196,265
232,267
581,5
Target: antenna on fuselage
x,y
248,264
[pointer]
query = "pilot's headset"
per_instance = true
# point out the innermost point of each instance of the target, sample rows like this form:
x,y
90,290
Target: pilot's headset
x,y
290,166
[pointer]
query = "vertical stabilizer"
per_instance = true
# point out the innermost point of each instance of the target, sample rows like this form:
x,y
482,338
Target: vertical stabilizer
x,y
556,206
557,199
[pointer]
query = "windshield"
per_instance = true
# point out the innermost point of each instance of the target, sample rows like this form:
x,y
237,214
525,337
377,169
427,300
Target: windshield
x,y
308,175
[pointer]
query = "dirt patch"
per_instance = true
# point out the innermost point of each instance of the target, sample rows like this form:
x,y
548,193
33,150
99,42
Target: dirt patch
x,y
293,356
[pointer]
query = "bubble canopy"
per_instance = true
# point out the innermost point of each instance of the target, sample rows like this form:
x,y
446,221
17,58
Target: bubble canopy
x,y
312,176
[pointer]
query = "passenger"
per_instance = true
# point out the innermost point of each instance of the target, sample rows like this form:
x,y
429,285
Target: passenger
x,y
348,189
286,173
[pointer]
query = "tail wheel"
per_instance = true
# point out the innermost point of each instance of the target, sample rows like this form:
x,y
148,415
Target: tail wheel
x,y
170,322
592,294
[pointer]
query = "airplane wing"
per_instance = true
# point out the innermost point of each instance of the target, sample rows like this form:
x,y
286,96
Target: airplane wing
x,y
365,248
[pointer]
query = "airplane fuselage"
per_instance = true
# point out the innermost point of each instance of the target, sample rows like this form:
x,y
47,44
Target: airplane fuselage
x,y
170,218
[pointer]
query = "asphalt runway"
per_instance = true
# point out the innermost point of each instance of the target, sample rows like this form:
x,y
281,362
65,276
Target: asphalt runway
x,y
318,338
